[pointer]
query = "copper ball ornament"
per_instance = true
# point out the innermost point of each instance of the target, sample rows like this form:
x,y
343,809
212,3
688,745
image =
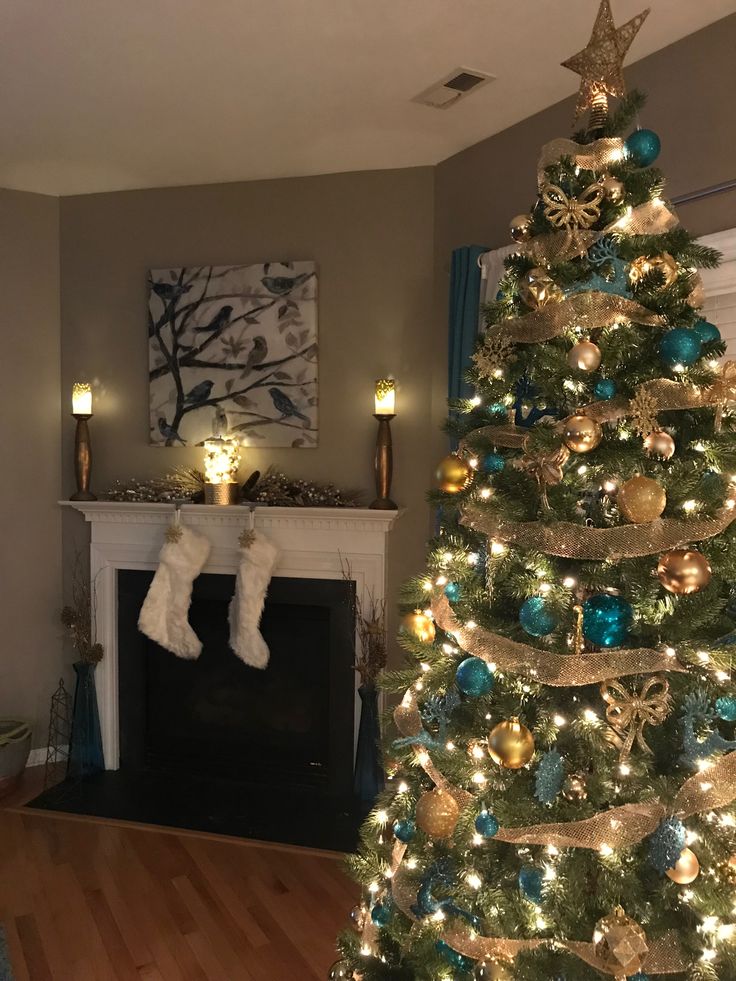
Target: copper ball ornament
x,y
641,499
419,626
687,868
613,189
620,943
453,474
575,787
437,813
664,264
683,571
510,744
660,445
585,356
537,289
521,228
358,917
581,433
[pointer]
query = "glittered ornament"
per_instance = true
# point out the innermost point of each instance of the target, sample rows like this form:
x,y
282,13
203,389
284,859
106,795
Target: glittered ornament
x,y
405,830
575,787
549,776
521,228
382,913
666,843
453,474
341,971
437,813
486,824
474,678
510,744
613,189
641,499
494,969
493,463
659,445
607,619
665,264
418,625
683,571
687,868
605,389
453,957
358,917
620,943
726,708
706,331
581,434
530,883
452,591
536,617
537,289
585,356
679,346
642,147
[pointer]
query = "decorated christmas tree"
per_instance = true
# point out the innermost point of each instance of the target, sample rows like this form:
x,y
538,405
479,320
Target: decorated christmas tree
x,y
562,792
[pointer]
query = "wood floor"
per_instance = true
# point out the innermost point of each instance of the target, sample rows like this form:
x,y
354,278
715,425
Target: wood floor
x,y
84,900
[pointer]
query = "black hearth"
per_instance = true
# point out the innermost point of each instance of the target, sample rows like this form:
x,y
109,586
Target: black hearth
x,y
215,745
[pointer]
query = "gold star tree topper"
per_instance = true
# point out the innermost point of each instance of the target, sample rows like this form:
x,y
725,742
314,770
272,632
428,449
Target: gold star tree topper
x,y
600,63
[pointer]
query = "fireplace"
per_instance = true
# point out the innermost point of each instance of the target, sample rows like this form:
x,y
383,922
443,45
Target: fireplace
x,y
291,723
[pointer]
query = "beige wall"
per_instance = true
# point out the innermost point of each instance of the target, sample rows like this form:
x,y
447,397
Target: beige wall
x,y
372,237
30,561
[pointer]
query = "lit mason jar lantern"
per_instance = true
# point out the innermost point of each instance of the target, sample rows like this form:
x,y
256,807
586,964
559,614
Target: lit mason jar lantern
x,y
221,461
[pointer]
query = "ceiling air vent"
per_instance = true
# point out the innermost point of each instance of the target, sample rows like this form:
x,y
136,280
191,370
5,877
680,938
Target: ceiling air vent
x,y
453,87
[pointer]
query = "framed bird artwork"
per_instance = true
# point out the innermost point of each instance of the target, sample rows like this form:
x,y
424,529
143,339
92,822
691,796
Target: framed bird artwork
x,y
233,351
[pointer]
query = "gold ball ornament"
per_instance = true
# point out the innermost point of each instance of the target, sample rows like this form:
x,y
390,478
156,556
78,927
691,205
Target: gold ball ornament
x,y
585,356
341,971
613,189
418,625
620,943
437,813
582,434
575,787
510,744
659,444
664,263
537,289
521,228
683,571
641,499
687,868
453,474
358,917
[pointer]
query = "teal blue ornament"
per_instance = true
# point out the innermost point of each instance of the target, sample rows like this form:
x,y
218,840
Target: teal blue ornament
x,y
639,976
486,824
607,619
473,677
452,591
493,463
642,147
530,883
666,844
605,388
453,957
680,346
405,830
536,617
726,708
381,914
549,776
706,331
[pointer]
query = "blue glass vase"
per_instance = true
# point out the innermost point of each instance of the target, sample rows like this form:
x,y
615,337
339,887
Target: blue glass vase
x,y
85,748
369,778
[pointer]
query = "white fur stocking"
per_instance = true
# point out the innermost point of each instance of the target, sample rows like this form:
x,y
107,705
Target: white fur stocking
x,y
257,562
164,614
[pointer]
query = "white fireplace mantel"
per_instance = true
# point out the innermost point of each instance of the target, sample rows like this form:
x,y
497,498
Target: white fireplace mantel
x,y
314,543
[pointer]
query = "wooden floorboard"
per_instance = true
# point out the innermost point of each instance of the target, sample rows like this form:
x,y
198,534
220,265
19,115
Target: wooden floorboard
x,y
93,900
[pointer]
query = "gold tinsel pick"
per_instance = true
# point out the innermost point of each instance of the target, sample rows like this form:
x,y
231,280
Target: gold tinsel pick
x,y
600,63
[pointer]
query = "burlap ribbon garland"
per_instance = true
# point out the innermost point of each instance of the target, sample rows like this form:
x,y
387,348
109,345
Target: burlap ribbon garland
x,y
508,436
546,667
583,310
590,156
568,540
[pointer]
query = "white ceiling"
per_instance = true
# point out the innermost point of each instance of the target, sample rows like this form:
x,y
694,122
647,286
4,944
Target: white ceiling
x,y
100,95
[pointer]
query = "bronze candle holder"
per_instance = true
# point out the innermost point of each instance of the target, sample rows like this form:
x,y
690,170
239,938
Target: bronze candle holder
x,y
82,458
383,464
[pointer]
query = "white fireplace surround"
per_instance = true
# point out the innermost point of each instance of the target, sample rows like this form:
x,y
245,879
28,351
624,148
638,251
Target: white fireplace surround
x,y
314,543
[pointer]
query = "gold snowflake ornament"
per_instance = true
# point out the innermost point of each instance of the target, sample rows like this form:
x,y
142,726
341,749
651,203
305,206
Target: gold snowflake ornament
x,y
247,537
493,355
173,534
643,411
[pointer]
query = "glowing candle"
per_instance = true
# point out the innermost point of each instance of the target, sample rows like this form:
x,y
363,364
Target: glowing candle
x,y
82,399
385,397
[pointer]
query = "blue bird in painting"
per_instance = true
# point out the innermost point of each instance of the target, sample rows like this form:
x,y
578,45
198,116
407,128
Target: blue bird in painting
x,y
168,432
200,393
170,291
284,284
257,353
285,406
220,320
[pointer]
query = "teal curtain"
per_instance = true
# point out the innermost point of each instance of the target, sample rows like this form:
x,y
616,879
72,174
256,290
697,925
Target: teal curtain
x,y
464,301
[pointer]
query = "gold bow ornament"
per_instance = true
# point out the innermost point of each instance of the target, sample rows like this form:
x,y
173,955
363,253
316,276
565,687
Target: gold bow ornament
x,y
628,712
572,212
546,468
723,390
